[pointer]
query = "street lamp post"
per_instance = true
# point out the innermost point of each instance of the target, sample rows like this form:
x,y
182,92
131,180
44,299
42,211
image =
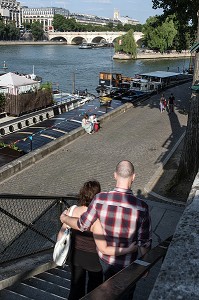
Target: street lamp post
x,y
31,141
73,90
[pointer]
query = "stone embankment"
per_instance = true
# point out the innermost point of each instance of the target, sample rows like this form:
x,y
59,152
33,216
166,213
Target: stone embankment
x,y
153,55
14,43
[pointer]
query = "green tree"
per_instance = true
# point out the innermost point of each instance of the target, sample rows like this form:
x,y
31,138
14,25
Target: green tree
x,y
46,86
27,25
157,35
120,27
9,31
110,26
13,33
2,30
126,43
58,22
37,31
70,25
138,27
185,12
189,161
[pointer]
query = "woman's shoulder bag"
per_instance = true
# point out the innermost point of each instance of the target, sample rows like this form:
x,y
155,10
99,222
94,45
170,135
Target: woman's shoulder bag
x,y
62,247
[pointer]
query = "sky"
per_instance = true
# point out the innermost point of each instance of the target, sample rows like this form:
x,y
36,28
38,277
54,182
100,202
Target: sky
x,y
135,9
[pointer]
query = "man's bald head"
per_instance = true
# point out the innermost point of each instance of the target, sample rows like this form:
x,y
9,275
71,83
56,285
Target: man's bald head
x,y
125,169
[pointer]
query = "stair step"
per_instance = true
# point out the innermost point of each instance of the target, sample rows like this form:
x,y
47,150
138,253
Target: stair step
x,y
47,286
55,279
10,295
35,293
64,273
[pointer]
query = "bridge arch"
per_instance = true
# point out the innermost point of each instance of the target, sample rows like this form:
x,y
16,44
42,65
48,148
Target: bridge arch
x,y
78,40
140,42
98,39
113,41
58,39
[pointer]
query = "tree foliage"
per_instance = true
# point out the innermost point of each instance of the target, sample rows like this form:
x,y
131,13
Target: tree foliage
x,y
46,86
60,23
37,31
159,35
9,32
126,44
189,161
185,12
27,25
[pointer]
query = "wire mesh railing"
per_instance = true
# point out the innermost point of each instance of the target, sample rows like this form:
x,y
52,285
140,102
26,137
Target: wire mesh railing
x,y
29,224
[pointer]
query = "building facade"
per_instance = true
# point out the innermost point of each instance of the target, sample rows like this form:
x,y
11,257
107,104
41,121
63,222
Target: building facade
x,y
44,15
10,11
124,20
93,20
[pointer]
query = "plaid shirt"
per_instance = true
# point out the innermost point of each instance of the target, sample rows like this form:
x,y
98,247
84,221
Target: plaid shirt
x,y
124,219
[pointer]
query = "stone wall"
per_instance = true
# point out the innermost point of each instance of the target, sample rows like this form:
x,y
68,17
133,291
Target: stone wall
x,y
179,274
153,55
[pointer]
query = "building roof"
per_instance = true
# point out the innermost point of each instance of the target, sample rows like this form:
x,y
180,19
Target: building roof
x,y
160,74
12,79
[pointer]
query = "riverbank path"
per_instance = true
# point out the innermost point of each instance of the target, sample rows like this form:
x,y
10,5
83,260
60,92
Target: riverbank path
x,y
142,135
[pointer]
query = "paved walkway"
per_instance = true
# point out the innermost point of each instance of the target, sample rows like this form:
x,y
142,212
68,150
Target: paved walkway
x,y
142,135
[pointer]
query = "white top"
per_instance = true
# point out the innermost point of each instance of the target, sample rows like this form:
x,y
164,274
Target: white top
x,y
93,119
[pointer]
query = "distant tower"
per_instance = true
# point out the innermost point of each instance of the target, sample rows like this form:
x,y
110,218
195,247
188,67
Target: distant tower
x,y
116,14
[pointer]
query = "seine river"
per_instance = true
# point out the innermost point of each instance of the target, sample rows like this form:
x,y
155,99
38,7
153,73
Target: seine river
x,y
64,64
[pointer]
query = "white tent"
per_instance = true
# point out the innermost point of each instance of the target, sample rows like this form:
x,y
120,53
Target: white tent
x,y
17,84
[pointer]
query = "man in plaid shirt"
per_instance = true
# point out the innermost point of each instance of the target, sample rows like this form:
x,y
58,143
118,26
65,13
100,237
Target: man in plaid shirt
x,y
124,219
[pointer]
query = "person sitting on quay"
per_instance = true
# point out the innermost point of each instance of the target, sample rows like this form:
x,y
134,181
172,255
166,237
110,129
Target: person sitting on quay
x,y
86,124
95,123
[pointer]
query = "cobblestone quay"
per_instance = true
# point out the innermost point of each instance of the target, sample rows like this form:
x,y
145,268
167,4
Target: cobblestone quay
x,y
142,135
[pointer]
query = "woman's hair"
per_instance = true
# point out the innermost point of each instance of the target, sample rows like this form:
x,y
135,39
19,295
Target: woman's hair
x,y
86,116
88,191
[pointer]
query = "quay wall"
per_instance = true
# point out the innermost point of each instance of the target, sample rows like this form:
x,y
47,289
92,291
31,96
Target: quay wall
x,y
178,277
36,155
14,43
153,55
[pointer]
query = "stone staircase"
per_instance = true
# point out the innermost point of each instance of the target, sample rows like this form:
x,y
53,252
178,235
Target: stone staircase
x,y
53,284
36,277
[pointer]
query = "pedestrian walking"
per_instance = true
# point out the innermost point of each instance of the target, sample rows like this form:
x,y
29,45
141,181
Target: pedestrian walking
x,y
163,101
171,103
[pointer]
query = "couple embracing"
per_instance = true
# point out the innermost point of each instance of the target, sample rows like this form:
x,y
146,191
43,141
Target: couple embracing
x,y
114,223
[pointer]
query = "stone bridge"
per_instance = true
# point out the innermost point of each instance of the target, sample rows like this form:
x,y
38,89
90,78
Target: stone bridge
x,y
76,38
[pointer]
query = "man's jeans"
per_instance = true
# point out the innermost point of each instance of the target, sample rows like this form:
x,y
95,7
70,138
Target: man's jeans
x,y
109,271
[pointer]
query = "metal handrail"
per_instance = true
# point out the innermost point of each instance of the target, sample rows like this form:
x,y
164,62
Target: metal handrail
x,y
118,286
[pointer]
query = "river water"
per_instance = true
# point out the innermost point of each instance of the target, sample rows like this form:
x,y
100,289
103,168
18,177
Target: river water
x,y
65,65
